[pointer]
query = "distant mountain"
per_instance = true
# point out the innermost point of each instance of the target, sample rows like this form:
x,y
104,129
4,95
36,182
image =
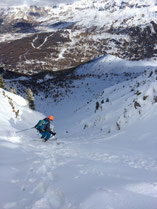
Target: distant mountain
x,y
35,39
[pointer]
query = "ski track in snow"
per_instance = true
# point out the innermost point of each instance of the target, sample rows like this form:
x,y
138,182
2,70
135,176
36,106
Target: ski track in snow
x,y
42,179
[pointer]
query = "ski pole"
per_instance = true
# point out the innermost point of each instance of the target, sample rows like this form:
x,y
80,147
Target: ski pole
x,y
24,130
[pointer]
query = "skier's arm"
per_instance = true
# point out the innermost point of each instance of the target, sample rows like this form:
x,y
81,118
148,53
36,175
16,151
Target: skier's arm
x,y
47,128
53,133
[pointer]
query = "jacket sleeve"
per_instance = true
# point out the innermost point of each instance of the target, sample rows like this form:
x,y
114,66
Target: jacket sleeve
x,y
47,128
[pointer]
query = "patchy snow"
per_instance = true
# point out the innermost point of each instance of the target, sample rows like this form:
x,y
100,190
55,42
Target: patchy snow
x,y
84,15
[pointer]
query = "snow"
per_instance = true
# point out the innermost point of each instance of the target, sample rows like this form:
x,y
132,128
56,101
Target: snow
x,y
84,14
94,167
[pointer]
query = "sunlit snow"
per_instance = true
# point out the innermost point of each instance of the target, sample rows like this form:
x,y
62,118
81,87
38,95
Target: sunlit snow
x,y
97,166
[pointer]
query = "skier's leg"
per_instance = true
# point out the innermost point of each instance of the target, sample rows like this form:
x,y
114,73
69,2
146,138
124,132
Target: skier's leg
x,y
42,135
47,135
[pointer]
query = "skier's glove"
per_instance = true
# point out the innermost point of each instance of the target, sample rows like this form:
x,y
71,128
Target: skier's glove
x,y
53,133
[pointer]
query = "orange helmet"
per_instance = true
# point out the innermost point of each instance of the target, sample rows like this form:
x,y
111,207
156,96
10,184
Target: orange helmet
x,y
51,117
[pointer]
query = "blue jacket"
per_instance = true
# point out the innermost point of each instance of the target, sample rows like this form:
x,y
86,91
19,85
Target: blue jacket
x,y
47,126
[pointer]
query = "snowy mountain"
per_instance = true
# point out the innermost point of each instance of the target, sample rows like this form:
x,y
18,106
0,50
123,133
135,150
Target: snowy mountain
x,y
35,39
92,65
106,154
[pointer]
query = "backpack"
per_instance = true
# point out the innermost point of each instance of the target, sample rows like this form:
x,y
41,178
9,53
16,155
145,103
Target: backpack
x,y
41,125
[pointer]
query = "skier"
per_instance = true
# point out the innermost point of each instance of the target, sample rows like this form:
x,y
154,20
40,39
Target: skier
x,y
43,126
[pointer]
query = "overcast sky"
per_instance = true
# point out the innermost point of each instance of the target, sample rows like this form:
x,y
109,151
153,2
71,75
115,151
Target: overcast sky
x,y
33,2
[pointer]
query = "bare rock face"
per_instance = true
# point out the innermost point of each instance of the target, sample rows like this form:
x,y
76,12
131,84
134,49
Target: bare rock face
x,y
35,39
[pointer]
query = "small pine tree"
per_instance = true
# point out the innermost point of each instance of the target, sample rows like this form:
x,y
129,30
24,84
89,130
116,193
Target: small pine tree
x,y
13,90
97,106
2,84
30,98
107,100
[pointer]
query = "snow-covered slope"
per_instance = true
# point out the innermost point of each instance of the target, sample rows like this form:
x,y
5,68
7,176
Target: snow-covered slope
x,y
116,84
129,93
106,156
15,113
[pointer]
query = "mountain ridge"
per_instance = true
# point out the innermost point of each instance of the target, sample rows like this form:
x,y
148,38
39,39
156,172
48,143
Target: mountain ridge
x,y
38,39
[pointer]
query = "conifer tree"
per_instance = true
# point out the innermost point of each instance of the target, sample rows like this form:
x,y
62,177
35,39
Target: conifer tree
x,y
97,106
30,98
13,90
2,84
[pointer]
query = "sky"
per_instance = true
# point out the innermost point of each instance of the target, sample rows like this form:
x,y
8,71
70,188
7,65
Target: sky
x,y
33,2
